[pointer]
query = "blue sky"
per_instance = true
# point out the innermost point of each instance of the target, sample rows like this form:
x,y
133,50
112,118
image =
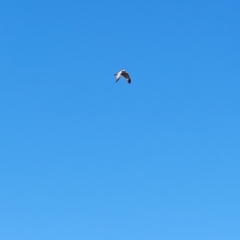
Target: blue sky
x,y
82,157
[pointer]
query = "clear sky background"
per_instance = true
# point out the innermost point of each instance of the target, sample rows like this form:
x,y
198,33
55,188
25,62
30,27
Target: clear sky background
x,y
83,157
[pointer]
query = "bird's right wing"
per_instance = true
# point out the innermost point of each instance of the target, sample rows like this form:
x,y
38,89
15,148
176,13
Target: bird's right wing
x,y
118,75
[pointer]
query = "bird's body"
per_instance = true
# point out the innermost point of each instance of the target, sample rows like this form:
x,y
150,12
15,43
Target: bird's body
x,y
124,74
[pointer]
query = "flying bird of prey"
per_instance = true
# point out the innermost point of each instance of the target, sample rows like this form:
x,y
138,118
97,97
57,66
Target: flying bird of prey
x,y
124,74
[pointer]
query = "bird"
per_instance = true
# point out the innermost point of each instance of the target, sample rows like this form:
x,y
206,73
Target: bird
x,y
124,74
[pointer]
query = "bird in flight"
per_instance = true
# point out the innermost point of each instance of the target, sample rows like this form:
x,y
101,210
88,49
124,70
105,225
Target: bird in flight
x,y
124,74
